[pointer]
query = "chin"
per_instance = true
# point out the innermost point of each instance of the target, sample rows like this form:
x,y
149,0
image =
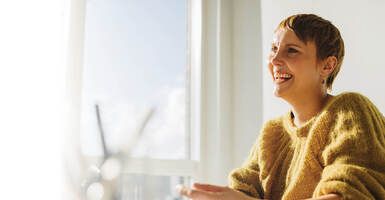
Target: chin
x,y
277,92
280,94
283,90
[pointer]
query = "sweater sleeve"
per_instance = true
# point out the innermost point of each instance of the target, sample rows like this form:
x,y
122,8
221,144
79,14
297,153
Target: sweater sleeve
x,y
354,156
246,178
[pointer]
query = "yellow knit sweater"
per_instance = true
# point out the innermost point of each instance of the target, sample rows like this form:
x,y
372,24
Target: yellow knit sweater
x,y
341,150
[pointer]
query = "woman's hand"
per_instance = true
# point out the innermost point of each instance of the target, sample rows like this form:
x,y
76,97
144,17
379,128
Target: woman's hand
x,y
212,192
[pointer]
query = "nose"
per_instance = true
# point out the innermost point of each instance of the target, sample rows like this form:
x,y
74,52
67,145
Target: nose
x,y
276,59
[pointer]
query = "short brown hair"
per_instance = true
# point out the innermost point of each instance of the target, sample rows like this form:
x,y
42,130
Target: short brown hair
x,y
327,38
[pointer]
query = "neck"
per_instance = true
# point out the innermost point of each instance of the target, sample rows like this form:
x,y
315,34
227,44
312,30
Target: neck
x,y
307,107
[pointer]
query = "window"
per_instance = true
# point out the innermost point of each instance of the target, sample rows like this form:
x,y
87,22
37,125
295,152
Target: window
x,y
135,60
136,66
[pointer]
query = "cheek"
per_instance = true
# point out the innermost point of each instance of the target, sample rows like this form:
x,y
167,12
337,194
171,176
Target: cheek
x,y
302,70
307,75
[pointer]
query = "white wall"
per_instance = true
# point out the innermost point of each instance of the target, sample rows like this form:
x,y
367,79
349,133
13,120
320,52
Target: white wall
x,y
362,28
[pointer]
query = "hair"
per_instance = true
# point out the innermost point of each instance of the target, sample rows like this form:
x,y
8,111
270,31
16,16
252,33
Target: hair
x,y
327,38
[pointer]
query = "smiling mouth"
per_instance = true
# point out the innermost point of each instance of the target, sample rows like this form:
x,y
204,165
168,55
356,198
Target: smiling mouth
x,y
282,77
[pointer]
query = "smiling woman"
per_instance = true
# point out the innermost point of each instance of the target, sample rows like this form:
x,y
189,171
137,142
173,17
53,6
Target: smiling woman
x,y
320,148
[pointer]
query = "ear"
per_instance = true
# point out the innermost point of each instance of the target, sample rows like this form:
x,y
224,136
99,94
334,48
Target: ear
x,y
328,66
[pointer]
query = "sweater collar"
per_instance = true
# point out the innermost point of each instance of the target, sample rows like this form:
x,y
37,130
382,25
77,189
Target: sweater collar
x,y
302,131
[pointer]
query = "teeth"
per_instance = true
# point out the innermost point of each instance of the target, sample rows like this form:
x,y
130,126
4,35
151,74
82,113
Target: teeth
x,y
277,75
286,75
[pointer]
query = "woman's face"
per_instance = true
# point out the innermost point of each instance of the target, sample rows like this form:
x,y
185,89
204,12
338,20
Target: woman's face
x,y
293,66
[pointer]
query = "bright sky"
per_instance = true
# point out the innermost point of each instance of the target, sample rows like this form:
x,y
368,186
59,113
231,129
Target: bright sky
x,y
135,57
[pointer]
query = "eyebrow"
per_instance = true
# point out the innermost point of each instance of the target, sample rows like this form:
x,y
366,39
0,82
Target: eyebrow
x,y
289,44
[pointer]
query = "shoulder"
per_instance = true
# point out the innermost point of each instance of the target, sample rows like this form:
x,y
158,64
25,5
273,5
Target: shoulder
x,y
273,141
354,127
349,113
352,102
273,125
272,132
350,98
352,113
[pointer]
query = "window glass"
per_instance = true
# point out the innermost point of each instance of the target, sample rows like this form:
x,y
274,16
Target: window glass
x,y
135,60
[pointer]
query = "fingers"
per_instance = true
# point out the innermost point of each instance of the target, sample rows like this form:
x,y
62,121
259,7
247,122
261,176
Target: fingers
x,y
196,194
183,190
208,187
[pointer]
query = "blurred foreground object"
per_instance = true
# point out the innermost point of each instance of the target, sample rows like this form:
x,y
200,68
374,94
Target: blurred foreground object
x,y
101,181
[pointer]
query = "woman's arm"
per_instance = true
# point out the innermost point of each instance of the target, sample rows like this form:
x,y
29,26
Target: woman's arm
x,y
327,197
246,178
213,192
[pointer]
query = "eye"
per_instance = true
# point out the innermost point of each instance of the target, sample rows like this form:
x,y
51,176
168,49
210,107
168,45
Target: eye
x,y
292,50
274,48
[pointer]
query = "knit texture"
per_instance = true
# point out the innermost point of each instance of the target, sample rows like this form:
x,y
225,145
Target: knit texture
x,y
341,151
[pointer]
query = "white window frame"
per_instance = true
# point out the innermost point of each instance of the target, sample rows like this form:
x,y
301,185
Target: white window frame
x,y
231,85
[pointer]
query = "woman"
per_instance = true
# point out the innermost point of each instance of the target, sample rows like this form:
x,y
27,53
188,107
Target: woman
x,y
327,147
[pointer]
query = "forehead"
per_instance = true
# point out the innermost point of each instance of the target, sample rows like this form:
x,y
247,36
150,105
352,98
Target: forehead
x,y
286,36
